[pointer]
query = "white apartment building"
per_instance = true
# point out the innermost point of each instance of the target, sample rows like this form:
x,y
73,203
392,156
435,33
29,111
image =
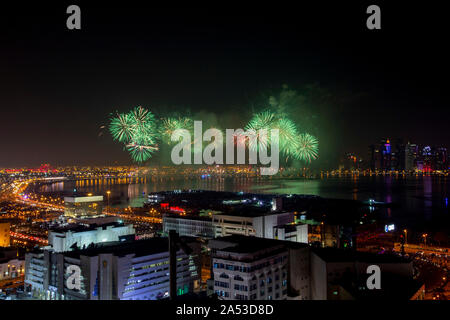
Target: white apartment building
x,y
273,225
255,269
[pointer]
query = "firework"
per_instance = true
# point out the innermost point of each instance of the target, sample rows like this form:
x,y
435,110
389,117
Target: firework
x,y
122,127
138,131
268,120
307,147
291,144
140,153
169,125
260,121
288,135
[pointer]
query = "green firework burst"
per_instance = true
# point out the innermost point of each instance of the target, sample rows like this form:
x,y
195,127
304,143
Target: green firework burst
x,y
169,125
138,130
307,147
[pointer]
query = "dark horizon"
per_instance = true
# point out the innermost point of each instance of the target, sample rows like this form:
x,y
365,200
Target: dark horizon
x,y
58,87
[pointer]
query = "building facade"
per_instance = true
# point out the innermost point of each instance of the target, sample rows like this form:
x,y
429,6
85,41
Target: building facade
x,y
261,225
137,270
254,270
189,226
11,266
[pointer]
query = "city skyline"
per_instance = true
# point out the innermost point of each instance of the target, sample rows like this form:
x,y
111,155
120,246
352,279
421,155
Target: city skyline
x,y
60,86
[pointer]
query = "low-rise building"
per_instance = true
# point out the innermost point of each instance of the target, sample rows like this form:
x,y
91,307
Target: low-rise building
x,y
83,206
65,238
11,265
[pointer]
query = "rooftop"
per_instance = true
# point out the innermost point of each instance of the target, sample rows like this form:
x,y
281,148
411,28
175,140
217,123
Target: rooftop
x,y
344,255
392,287
137,247
83,228
249,213
259,247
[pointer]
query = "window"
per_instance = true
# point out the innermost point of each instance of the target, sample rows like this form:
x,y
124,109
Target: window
x,y
221,284
238,278
221,293
240,287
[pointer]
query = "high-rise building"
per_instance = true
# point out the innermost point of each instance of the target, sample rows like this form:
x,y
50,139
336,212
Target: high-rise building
x,y
411,155
441,159
427,159
398,156
375,157
5,234
380,155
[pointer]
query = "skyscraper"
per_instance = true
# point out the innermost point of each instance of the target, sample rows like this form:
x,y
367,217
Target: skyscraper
x,y
411,153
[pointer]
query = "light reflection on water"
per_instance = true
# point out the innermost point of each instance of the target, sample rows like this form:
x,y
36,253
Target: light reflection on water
x,y
422,197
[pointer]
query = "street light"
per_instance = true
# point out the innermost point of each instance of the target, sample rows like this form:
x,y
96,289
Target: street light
x,y
108,193
406,235
425,238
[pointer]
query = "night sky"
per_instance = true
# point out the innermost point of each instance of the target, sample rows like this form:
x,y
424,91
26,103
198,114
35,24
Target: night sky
x,y
58,86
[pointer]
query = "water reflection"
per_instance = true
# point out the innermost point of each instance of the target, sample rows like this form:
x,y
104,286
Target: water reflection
x,y
418,198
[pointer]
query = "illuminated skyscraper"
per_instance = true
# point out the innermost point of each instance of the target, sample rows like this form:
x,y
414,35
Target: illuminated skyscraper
x,y
380,155
411,153
441,159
